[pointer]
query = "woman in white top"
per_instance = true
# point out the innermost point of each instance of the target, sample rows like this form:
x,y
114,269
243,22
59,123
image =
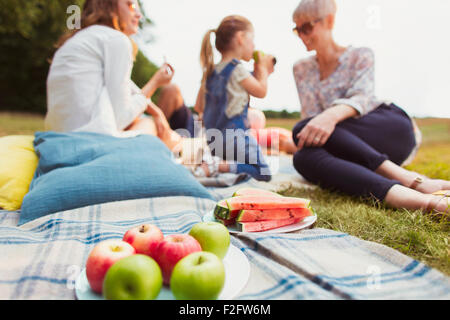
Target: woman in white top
x,y
89,86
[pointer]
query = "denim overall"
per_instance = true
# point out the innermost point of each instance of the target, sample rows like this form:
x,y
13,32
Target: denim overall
x,y
238,145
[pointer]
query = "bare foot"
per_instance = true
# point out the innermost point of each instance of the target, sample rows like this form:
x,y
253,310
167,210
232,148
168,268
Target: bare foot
x,y
438,204
205,168
402,197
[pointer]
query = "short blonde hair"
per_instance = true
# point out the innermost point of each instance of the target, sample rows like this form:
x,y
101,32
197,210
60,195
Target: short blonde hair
x,y
314,9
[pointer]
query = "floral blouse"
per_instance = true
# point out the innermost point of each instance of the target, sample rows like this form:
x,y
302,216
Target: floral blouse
x,y
352,83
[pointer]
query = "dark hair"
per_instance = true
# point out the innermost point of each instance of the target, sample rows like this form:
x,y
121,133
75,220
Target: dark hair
x,y
103,12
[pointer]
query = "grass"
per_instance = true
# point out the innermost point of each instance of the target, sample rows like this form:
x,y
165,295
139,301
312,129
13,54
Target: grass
x,y
420,237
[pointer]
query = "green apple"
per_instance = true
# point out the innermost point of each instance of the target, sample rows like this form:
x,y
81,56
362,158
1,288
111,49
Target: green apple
x,y
256,56
212,236
198,276
137,277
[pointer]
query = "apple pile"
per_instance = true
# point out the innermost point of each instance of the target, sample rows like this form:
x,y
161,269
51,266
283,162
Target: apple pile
x,y
136,267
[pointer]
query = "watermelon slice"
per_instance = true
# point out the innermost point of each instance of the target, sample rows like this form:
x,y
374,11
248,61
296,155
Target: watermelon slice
x,y
265,225
254,192
228,222
266,202
273,214
222,211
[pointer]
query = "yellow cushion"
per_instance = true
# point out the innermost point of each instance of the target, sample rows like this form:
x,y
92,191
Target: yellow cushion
x,y
18,162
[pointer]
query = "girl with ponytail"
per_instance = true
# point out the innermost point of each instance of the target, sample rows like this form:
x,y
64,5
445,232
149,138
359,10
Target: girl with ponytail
x,y
223,98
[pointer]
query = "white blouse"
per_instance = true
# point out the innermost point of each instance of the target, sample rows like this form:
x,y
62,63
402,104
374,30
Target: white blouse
x,y
89,86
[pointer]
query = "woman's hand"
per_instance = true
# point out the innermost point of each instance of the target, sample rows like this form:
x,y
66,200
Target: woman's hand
x,y
163,76
319,129
317,132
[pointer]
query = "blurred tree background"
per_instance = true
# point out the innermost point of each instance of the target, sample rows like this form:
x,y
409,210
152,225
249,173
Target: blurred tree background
x,y
29,30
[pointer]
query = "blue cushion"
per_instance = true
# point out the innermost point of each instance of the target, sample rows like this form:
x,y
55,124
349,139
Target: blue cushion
x,y
81,169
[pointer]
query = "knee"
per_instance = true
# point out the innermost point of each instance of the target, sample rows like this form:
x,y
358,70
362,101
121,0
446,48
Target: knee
x,y
171,91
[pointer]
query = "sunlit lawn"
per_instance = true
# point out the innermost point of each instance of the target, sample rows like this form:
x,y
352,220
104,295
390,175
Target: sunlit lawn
x,y
413,234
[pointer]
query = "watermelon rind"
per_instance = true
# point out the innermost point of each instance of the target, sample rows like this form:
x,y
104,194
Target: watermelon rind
x,y
254,192
221,210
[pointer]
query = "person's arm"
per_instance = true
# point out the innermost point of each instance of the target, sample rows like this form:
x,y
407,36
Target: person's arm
x,y
319,129
117,72
355,103
161,78
256,85
200,102
362,85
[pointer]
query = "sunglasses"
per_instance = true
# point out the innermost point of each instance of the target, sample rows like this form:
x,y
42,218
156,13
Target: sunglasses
x,y
306,28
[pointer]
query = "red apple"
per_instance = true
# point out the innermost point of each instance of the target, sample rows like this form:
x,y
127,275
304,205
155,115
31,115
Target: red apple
x,y
144,238
103,256
172,249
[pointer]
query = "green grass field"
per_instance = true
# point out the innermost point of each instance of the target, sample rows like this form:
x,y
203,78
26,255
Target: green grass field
x,y
420,237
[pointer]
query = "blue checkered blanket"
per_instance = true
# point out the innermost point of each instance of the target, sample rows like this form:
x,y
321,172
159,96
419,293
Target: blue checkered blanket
x,y
42,259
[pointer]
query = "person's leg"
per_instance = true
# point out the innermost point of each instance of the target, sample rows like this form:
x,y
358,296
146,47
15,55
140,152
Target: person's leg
x,y
170,100
287,145
176,112
389,130
407,178
168,136
343,144
320,167
402,197
244,155
362,140
146,125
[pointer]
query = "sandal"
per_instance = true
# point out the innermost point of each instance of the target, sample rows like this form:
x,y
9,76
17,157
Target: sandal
x,y
443,193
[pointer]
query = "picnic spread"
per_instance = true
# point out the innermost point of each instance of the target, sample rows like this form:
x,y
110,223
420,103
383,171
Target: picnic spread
x,y
42,258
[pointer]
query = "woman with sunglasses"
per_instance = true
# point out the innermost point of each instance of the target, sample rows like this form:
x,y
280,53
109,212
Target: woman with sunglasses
x,y
89,86
349,140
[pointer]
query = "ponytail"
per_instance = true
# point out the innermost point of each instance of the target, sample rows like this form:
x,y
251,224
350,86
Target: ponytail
x,y
207,56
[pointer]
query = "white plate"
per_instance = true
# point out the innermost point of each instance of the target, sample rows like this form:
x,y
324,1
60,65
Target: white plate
x,y
237,272
305,223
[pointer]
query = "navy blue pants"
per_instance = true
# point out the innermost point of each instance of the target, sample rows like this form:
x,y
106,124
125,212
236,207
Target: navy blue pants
x,y
182,119
357,147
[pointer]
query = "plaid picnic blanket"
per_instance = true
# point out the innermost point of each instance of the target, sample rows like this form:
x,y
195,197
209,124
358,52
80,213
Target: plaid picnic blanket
x,y
42,259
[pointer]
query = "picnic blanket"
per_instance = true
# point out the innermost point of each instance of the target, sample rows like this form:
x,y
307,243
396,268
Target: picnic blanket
x,y
41,259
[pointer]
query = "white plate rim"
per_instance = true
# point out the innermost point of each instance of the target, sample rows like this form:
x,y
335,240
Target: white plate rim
x,y
83,291
305,223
